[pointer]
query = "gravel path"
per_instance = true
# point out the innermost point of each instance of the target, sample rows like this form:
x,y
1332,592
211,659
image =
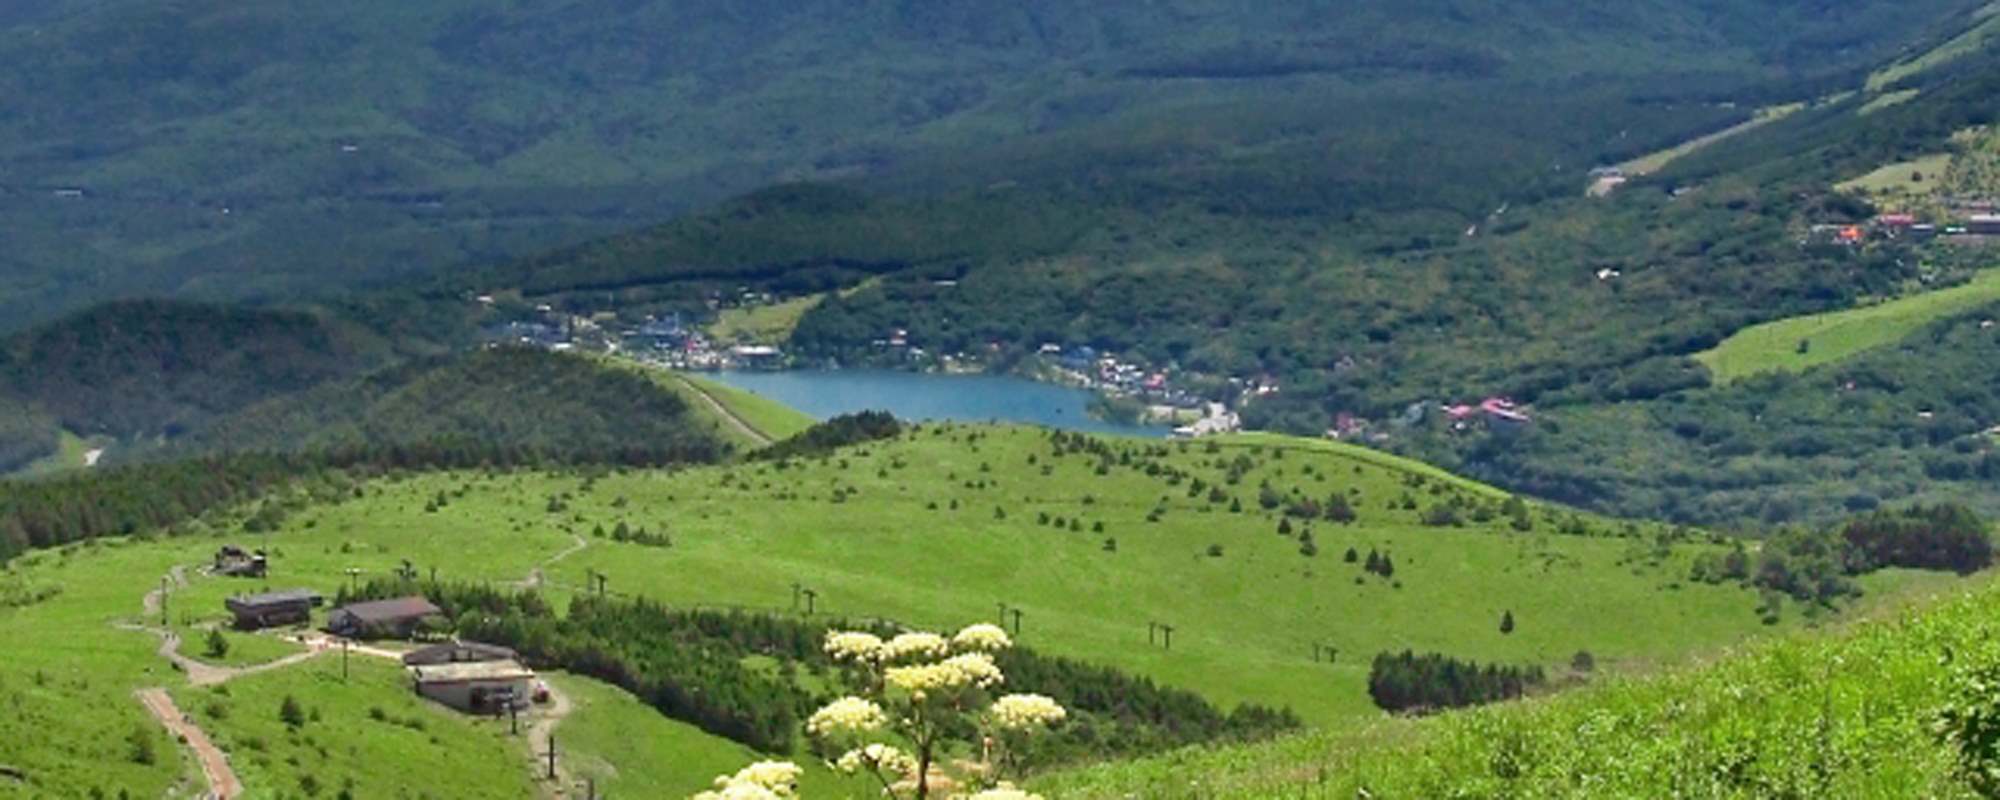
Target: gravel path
x,y
222,782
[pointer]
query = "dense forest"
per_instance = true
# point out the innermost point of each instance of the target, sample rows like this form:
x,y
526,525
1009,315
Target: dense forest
x,y
1410,682
322,148
550,406
690,665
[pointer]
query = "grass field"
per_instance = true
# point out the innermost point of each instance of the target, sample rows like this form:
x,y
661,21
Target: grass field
x,y
768,417
1832,336
630,750
1887,100
1658,160
933,529
893,546
765,324
1844,714
367,733
1898,178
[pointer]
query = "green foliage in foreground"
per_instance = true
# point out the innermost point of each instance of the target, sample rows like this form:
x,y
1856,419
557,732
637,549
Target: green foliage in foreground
x,y
1849,713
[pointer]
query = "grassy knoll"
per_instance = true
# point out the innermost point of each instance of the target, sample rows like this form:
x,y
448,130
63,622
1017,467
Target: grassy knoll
x,y
874,532
633,751
68,675
765,324
1901,178
1774,346
1834,714
368,734
769,417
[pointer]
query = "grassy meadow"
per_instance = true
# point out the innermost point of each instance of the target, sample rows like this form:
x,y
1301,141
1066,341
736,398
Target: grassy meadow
x,y
764,415
1847,713
936,528
1835,335
763,324
874,532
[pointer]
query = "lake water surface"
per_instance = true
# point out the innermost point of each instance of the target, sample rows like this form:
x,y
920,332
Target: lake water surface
x,y
929,396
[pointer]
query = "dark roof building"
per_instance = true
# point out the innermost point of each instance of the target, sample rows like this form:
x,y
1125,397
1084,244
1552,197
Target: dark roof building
x,y
273,608
456,652
396,618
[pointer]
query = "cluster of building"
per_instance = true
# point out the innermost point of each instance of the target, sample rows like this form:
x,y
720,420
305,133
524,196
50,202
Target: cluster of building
x,y
1975,224
1497,413
472,677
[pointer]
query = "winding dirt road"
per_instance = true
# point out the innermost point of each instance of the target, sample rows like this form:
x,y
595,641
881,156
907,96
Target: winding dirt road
x,y
222,782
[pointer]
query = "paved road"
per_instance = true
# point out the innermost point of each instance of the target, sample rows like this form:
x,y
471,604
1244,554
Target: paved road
x,y
222,782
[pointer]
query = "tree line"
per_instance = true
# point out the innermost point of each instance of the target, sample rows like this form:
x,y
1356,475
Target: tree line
x,y
689,665
1409,681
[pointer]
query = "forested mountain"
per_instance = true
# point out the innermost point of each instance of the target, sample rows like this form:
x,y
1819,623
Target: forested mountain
x,y
220,150
158,380
547,406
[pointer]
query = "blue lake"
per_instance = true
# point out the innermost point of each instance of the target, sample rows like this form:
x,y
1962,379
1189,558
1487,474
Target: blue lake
x,y
926,396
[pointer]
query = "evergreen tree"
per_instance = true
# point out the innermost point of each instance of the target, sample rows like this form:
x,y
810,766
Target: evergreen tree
x,y
1507,621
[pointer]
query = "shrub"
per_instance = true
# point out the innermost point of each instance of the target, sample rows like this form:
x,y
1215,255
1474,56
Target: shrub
x,y
218,645
290,713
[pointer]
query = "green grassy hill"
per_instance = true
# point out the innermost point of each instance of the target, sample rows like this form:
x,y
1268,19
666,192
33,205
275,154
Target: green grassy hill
x,y
1850,712
1800,343
935,528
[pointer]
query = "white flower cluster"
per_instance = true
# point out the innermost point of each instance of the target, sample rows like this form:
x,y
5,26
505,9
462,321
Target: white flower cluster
x,y
764,780
1004,791
1020,712
915,647
853,646
879,757
846,715
957,672
983,637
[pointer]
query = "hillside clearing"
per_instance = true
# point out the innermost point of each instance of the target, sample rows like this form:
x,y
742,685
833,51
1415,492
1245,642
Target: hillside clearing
x,y
771,323
1913,177
1974,38
1658,160
1835,335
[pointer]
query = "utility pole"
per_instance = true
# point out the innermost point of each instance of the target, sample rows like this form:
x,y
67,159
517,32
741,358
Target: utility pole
x,y
601,580
1150,628
163,601
811,598
552,755
1003,613
353,574
795,596
1017,621
345,646
1169,631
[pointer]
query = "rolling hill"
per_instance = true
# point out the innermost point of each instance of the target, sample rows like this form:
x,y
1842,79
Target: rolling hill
x,y
1089,539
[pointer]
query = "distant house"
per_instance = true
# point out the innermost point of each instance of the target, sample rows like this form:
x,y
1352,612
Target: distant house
x,y
381,619
273,608
236,562
1983,225
479,687
1896,221
456,652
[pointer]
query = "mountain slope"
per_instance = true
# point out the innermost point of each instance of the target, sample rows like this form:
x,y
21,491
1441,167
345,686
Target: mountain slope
x,y
222,150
